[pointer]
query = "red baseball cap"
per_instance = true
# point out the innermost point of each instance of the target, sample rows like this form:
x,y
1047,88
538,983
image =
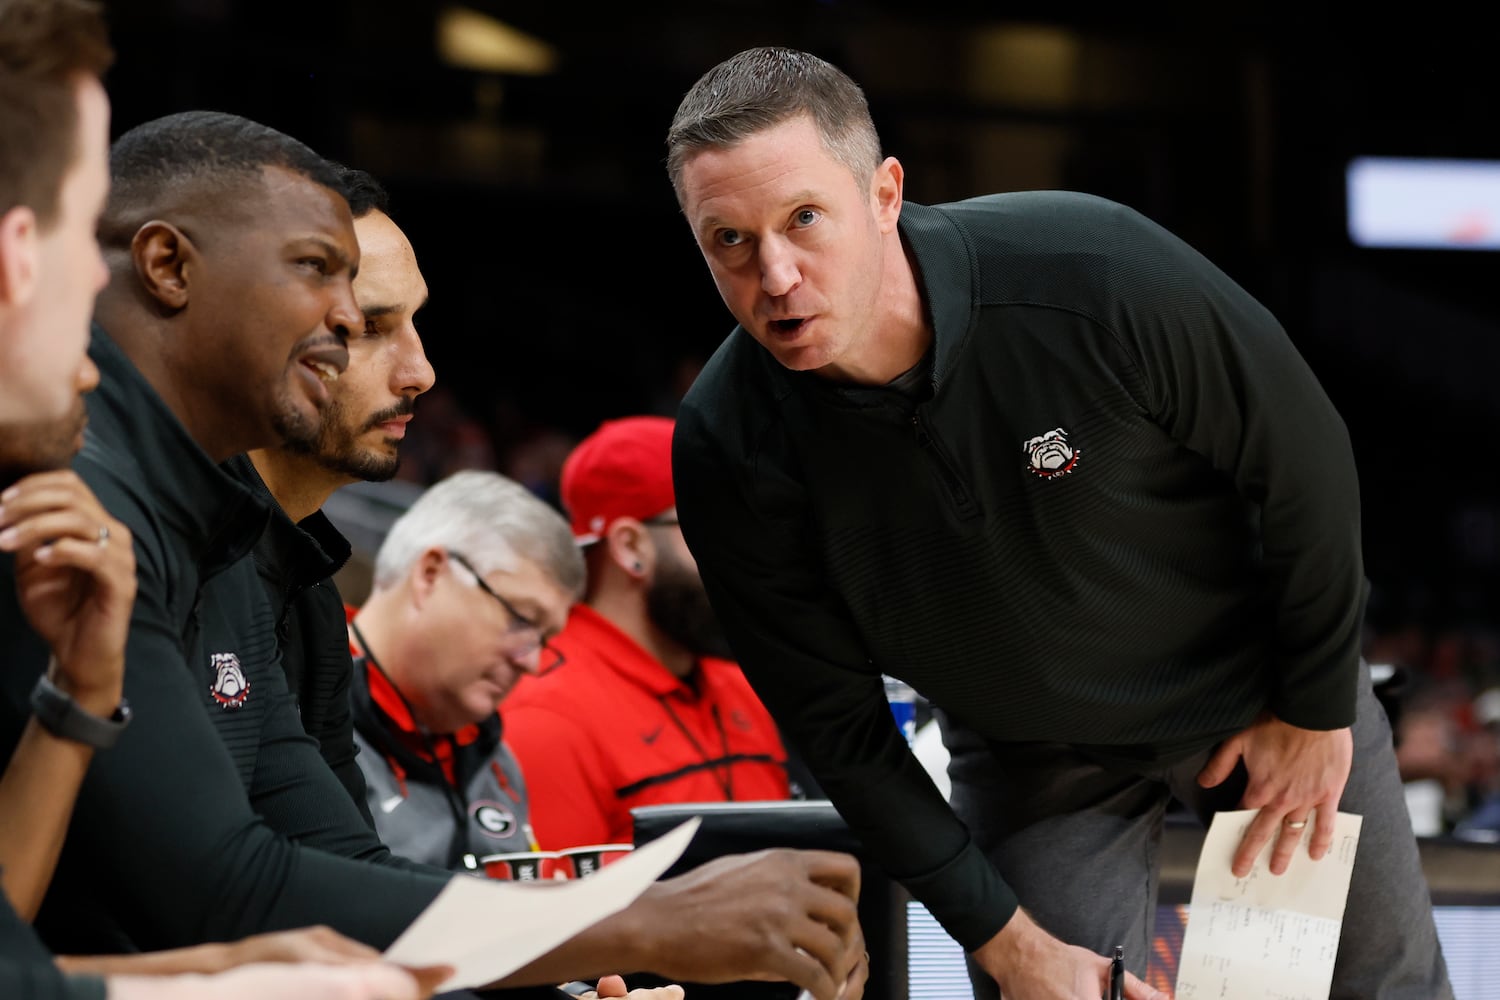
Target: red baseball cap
x,y
623,469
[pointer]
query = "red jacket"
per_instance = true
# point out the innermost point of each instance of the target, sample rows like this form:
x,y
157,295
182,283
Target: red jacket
x,y
612,729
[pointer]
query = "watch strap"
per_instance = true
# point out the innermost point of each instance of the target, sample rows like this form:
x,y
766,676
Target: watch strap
x,y
60,715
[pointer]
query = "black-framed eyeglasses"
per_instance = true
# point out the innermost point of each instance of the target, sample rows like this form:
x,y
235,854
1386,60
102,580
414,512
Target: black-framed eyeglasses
x,y
661,521
549,658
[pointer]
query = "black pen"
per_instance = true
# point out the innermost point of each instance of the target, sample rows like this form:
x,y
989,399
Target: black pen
x,y
1117,974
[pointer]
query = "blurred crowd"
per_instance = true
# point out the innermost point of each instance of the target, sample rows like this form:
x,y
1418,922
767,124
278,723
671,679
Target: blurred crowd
x,y
1442,690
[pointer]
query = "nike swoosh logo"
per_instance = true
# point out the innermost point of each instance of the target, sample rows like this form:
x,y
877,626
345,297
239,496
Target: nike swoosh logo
x,y
390,804
650,738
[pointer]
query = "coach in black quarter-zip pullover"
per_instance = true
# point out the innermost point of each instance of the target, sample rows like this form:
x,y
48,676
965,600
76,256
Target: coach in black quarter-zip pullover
x,y
1042,460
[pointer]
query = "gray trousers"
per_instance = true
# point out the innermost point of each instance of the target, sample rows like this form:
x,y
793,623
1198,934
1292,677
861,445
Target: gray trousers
x,y
1078,842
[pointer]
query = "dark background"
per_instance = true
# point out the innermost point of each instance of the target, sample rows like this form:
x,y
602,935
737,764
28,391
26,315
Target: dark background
x,y
566,288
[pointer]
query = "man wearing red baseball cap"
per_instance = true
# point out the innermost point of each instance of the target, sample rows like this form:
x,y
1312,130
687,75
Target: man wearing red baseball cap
x,y
644,709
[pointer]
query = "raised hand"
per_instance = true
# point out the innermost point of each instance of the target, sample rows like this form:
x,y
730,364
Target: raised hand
x,y
779,915
75,581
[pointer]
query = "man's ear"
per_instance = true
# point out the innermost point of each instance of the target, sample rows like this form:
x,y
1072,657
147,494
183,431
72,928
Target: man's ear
x,y
18,256
162,255
886,193
629,546
425,572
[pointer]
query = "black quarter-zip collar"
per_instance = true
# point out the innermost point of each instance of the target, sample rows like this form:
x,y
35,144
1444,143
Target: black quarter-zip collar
x,y
291,556
947,272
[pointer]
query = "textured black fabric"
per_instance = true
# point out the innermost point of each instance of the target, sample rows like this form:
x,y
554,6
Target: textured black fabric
x,y
1189,558
296,563
315,652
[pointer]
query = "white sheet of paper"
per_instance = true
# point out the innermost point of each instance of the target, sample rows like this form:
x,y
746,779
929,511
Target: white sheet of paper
x,y
487,929
1264,936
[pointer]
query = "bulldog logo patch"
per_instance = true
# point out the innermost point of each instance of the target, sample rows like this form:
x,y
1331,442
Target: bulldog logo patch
x,y
1050,455
230,689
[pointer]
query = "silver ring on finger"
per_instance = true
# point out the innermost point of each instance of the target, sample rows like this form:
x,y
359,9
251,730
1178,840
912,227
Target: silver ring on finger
x,y
1296,824
103,538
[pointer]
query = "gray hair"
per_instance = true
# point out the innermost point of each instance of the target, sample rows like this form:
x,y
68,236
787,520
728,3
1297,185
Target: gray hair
x,y
491,521
761,88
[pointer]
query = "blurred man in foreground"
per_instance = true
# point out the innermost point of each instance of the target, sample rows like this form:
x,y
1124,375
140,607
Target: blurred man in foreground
x,y
74,564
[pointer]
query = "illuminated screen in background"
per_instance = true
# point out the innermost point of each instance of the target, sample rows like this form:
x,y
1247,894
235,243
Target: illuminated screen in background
x,y
1398,202
935,963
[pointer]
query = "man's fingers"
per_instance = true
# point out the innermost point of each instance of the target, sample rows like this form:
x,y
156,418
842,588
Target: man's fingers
x,y
832,933
1220,764
831,950
1322,832
858,978
801,969
33,496
86,556
47,526
430,977
611,986
38,479
854,953
1292,831
23,489
832,908
332,943
1259,833
814,957
829,928
108,579
1136,989
768,916
38,587
319,944
839,872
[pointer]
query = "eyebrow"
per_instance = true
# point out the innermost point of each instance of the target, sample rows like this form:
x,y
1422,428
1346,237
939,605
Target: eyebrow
x,y
375,312
334,251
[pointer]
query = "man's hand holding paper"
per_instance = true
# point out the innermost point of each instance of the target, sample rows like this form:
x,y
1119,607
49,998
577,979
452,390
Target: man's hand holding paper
x,y
1293,773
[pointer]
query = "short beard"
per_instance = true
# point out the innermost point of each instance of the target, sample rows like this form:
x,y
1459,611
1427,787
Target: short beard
x,y
678,605
294,428
336,450
26,449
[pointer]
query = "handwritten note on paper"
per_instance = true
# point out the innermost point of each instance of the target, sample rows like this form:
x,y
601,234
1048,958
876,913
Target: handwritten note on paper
x,y
489,929
1264,936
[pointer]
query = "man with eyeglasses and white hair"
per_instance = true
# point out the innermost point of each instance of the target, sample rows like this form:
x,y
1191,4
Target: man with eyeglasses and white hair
x,y
469,585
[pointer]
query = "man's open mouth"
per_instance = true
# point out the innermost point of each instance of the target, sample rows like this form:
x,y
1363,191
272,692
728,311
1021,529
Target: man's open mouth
x,y
323,370
327,361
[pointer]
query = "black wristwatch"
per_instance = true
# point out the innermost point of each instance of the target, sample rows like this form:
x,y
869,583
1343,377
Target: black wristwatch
x,y
60,715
